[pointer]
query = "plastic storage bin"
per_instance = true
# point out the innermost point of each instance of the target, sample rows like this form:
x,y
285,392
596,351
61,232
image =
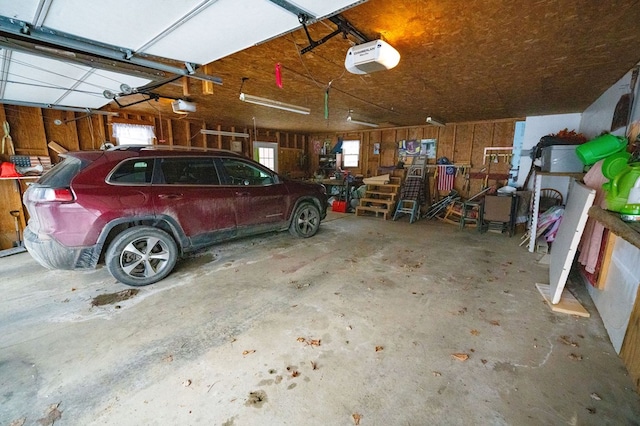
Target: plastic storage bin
x,y
561,159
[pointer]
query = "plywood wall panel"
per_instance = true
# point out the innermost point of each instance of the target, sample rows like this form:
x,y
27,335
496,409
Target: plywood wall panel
x,y
10,197
388,148
92,133
630,351
482,137
27,131
415,133
445,144
179,132
4,156
463,143
503,133
61,127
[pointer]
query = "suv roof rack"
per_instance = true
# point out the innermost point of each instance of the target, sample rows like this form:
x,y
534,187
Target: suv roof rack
x,y
139,148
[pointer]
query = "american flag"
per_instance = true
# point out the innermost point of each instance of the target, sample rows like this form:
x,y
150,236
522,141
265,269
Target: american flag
x,y
446,176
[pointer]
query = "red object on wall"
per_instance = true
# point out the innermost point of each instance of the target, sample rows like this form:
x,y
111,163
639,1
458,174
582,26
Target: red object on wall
x,y
279,75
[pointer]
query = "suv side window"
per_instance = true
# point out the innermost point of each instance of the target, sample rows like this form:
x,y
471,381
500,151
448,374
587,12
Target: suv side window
x,y
242,173
133,171
189,171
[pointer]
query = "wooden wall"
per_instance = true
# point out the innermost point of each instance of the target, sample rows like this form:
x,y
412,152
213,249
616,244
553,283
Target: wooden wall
x,y
32,129
461,143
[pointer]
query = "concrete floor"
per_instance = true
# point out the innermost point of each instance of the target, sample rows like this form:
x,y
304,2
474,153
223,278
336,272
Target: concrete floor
x,y
357,324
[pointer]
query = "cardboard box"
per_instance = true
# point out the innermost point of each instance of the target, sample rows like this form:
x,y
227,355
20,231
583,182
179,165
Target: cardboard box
x,y
561,159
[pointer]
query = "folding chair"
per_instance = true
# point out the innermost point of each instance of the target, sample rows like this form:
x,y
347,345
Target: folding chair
x,y
443,204
411,197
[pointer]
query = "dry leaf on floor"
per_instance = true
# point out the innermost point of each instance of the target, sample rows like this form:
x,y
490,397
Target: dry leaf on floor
x,y
51,415
18,422
436,373
356,418
567,341
475,332
494,322
295,373
186,383
310,342
248,352
460,356
591,410
168,358
314,366
379,348
596,396
575,357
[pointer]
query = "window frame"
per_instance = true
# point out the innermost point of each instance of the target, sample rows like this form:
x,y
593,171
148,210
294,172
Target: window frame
x,y
346,156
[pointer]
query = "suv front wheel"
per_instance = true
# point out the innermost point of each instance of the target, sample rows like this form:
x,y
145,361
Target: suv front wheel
x,y
305,221
141,255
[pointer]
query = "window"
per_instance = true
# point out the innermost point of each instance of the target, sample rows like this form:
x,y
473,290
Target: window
x,y
266,153
241,173
267,157
189,171
133,134
350,153
135,171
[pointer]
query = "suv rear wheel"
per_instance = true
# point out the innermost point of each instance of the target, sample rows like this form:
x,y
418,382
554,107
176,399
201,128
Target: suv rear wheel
x,y
305,221
141,256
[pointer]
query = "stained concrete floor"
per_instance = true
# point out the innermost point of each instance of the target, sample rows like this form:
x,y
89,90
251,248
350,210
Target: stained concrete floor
x,y
359,324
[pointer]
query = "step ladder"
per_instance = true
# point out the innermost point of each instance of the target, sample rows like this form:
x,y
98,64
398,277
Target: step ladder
x,y
417,167
380,198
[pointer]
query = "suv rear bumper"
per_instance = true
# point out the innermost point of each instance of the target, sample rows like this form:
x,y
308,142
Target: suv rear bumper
x,y
53,255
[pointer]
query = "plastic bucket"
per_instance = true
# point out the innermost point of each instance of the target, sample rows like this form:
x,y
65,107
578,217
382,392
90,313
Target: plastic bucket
x,y
599,148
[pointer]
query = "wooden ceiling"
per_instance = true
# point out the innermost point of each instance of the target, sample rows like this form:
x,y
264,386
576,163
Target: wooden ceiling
x,y
460,61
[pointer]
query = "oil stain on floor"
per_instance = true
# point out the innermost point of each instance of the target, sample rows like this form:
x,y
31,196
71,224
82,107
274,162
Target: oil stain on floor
x,y
111,298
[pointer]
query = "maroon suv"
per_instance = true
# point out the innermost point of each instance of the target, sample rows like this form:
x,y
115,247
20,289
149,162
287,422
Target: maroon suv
x,y
139,209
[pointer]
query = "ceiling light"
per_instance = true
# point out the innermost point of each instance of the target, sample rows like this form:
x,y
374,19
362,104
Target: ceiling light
x,y
434,122
364,123
371,56
273,104
223,133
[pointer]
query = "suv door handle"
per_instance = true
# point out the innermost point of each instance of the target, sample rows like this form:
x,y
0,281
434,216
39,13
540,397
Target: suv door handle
x,y
242,194
170,196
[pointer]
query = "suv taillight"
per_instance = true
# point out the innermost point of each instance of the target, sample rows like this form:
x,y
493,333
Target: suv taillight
x,y
61,195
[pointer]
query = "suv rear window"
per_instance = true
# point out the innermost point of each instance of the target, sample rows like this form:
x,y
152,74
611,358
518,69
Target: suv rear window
x,y
136,170
61,174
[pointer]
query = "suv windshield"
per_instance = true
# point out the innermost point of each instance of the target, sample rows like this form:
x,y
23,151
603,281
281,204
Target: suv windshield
x,y
61,174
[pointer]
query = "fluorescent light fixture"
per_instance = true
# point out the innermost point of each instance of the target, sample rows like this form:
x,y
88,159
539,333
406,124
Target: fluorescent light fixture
x,y
434,122
223,133
371,56
273,104
364,123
